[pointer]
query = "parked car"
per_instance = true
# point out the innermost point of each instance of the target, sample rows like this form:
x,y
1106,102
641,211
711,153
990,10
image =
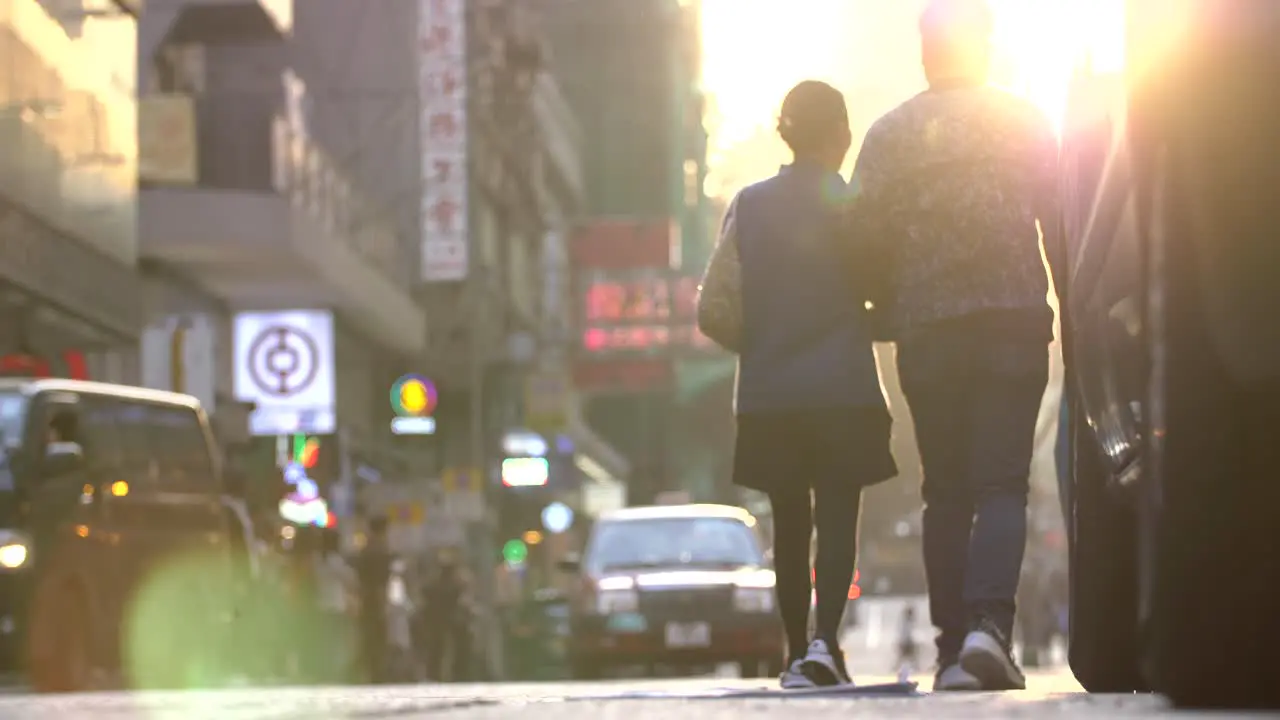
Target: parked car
x,y
119,548
678,585
1171,201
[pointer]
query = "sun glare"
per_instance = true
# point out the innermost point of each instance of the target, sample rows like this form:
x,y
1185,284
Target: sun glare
x,y
754,50
1040,44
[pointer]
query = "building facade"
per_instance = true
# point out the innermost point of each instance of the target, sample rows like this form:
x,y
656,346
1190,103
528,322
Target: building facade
x,y
273,258
304,166
69,303
631,73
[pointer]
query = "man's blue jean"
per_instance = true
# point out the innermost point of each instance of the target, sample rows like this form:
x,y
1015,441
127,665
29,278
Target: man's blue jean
x,y
974,398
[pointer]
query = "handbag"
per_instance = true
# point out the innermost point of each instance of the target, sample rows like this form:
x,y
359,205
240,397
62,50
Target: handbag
x,y
719,305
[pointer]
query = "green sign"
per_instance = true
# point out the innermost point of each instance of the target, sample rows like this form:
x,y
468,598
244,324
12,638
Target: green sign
x,y
515,552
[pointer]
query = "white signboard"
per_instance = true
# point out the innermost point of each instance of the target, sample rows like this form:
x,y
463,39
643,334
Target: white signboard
x,y
442,98
284,365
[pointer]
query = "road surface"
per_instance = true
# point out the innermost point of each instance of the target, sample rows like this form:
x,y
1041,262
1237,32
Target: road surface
x,y
569,701
870,646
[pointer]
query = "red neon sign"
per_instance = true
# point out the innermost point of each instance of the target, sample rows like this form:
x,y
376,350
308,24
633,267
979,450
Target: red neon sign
x,y
24,365
640,312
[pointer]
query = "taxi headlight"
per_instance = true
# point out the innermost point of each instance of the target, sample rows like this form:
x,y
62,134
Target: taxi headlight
x,y
753,599
15,550
609,602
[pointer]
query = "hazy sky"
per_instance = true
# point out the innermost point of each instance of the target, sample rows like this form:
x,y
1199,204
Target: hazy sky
x,y
756,50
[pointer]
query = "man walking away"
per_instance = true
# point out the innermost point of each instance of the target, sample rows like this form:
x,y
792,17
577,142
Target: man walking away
x,y
375,574
444,614
947,192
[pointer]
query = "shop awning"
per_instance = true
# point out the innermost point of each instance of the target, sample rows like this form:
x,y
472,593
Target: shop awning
x,y
598,452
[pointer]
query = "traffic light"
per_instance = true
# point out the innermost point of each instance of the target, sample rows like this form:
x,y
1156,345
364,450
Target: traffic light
x,y
306,451
515,552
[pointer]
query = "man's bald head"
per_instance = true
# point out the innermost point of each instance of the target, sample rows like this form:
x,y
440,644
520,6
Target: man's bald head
x,y
955,40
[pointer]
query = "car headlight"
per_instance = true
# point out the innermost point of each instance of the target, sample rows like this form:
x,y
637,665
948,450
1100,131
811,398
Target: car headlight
x,y
609,602
753,599
15,550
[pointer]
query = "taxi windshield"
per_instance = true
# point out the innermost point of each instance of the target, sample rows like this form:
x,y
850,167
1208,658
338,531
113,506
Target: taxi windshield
x,y
673,542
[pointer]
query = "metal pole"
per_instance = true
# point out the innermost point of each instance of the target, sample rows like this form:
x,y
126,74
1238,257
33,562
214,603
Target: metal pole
x,y
481,530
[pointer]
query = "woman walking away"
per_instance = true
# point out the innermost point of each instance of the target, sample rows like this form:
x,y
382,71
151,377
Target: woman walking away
x,y
813,426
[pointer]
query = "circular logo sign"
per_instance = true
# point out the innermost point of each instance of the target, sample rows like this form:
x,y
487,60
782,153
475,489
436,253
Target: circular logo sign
x,y
283,360
414,396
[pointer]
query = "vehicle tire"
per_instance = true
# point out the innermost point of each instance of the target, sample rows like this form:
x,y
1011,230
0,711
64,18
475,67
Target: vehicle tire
x,y
1103,637
1214,576
67,664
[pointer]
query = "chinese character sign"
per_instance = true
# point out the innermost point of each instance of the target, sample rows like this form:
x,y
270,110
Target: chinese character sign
x,y
442,93
639,312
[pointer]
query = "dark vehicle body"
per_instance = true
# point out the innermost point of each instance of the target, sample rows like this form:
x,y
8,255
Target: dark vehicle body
x,y
1171,200
101,518
682,586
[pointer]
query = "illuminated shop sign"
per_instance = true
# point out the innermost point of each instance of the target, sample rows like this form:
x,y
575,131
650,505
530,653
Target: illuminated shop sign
x,y
303,505
71,365
523,472
413,399
639,311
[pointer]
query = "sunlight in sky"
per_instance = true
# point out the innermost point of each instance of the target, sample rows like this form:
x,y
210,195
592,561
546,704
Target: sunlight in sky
x,y
755,50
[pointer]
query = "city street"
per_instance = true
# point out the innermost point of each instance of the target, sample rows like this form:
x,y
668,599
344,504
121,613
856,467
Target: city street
x,y
1049,696
869,647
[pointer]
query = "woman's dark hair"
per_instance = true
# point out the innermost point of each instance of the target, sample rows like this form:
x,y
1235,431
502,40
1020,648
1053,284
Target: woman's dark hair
x,y
813,115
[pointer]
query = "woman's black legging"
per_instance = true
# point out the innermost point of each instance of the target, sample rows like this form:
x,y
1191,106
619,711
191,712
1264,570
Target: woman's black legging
x,y
834,507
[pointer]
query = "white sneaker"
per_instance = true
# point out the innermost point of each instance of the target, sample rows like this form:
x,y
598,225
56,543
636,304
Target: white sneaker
x,y
824,668
793,677
953,678
986,656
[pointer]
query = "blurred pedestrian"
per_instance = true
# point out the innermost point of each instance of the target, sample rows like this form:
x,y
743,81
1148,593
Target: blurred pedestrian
x,y
374,574
337,582
446,622
908,648
947,193
813,426
303,648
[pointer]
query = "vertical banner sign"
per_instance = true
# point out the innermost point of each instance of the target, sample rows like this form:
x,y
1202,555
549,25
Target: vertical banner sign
x,y
442,94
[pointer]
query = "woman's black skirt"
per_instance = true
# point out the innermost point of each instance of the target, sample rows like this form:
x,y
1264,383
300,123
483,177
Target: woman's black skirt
x,y
784,448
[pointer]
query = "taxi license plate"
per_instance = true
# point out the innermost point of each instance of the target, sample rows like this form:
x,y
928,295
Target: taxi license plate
x,y
688,635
